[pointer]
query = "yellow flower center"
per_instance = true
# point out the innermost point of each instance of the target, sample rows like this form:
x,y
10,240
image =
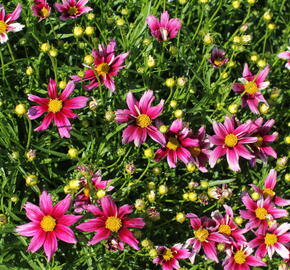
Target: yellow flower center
x,y
270,239
113,224
225,229
231,140
201,234
72,11
103,69
44,12
259,141
173,143
54,105
268,192
251,87
167,255
240,257
87,191
48,223
194,151
143,120
217,62
261,213
3,27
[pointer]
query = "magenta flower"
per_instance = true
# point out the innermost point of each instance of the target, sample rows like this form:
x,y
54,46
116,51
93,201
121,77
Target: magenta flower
x,y
7,23
205,237
227,226
200,153
250,88
230,142
261,148
41,9
58,108
217,58
268,191
168,257
106,66
238,258
72,9
139,116
166,28
112,220
260,213
177,145
47,224
273,240
285,55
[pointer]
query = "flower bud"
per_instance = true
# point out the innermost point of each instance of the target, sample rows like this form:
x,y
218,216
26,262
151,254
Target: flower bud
x,y
163,189
233,108
89,31
239,220
78,31
192,196
88,60
150,61
110,116
139,204
45,47
180,217
62,84
101,193
73,153
151,196
255,196
148,153
153,253
29,71
74,184
178,113
236,4
170,82
31,180
20,109
190,167
3,219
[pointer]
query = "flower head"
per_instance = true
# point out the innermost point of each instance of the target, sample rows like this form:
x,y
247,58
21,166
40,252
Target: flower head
x,y
72,9
250,87
58,108
217,58
140,116
168,257
285,55
230,141
7,22
106,65
111,220
48,223
166,28
41,9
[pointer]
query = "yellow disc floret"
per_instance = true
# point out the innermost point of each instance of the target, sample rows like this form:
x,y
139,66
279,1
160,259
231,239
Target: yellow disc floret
x,y
194,151
55,105
173,143
201,234
240,257
270,239
143,120
268,192
225,229
167,255
44,12
73,11
103,69
259,141
48,223
251,87
231,140
261,213
3,27
113,224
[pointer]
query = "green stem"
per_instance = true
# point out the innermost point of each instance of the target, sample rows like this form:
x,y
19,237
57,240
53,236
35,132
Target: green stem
x,y
11,52
2,64
198,27
170,95
144,172
29,133
112,165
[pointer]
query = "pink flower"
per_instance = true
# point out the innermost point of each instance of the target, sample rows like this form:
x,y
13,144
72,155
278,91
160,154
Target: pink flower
x,y
268,190
238,258
109,220
227,226
161,30
217,58
41,9
230,142
261,147
250,88
72,9
7,22
177,145
47,224
168,257
205,236
106,66
260,213
273,240
139,116
285,55
58,108
200,153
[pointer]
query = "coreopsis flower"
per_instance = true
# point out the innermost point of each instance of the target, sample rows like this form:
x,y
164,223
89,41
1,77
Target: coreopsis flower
x,y
239,258
72,9
285,55
48,223
205,236
227,226
140,116
168,257
58,108
177,145
261,148
41,9
250,87
106,65
200,154
268,190
217,58
230,141
7,23
166,28
273,240
220,193
112,220
260,213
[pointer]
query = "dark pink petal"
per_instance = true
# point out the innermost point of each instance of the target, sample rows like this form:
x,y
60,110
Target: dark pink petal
x,y
132,102
246,140
270,181
122,116
52,89
253,261
50,245
152,22
229,124
243,152
33,212
210,251
256,242
39,100
67,91
238,88
63,124
249,203
183,154
110,84
164,19
146,101
189,142
45,123
65,234
109,207
270,151
271,137
76,103
36,111
156,135
59,7
233,159
94,209
281,202
124,210
139,136
253,105
160,154
173,26
134,223
69,113
128,133
282,250
284,238
68,220
29,229
216,154
219,129
61,207
216,140
101,234
14,15
242,129
194,221
261,250
246,71
127,237
263,74
91,225
217,237
278,213
154,111
45,203
176,126
172,158
37,241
